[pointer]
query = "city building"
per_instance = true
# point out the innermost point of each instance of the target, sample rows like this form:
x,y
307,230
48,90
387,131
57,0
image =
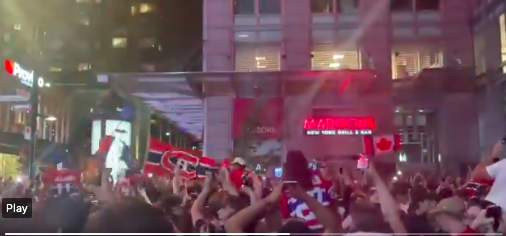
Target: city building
x,y
427,61
490,63
76,39
397,38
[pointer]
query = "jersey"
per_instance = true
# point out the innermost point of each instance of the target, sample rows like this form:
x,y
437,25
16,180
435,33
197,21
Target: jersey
x,y
292,207
61,181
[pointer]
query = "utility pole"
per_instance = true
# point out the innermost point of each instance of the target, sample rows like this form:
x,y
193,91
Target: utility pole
x,y
34,114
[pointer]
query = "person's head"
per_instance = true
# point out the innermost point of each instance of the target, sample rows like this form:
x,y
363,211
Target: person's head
x,y
129,216
422,201
400,192
448,212
295,225
296,168
238,163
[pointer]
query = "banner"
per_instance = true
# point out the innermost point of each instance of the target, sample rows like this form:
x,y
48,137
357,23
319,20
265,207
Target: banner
x,y
260,116
163,158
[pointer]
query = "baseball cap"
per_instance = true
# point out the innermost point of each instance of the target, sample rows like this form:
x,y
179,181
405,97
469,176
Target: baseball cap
x,y
239,161
453,205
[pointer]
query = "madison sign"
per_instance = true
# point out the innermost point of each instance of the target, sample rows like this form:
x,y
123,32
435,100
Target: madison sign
x,y
339,126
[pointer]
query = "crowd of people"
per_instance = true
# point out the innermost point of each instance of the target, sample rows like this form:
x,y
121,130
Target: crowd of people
x,y
234,199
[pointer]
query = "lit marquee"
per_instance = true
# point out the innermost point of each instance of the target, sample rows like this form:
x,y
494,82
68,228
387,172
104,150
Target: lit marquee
x,y
339,126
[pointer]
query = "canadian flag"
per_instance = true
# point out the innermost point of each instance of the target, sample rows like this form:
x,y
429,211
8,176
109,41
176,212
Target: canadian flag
x,y
377,145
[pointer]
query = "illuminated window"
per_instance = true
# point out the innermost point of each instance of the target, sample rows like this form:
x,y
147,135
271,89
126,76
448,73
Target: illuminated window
x,y
257,57
17,26
55,69
322,6
325,56
83,66
502,32
145,8
410,62
133,10
147,42
119,42
85,21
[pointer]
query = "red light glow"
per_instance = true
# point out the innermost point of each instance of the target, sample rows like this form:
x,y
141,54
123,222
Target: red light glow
x,y
9,66
340,123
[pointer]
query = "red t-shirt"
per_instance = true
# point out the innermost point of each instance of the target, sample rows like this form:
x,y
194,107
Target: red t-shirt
x,y
236,177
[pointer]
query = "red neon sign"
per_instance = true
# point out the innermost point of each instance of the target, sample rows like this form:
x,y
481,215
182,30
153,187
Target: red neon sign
x,y
9,66
340,123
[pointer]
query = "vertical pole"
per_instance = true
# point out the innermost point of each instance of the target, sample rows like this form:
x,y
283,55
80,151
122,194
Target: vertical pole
x,y
34,104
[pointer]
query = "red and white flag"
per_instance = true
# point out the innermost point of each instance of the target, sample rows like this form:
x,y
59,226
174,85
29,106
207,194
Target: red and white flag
x,y
377,145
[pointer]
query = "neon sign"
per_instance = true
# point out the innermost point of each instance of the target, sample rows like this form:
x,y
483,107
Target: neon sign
x,y
339,126
25,76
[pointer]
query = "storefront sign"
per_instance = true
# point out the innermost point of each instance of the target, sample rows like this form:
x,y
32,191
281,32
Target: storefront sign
x,y
25,76
260,118
339,126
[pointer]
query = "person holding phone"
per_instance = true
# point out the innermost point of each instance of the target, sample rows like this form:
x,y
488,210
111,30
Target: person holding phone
x,y
493,169
296,172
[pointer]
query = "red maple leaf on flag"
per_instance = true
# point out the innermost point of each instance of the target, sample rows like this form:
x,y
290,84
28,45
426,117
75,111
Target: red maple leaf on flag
x,y
384,144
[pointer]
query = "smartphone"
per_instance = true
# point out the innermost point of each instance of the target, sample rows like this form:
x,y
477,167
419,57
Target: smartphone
x,y
278,172
313,165
362,163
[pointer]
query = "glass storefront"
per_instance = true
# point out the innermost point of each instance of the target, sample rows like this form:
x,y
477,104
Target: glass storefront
x,y
9,165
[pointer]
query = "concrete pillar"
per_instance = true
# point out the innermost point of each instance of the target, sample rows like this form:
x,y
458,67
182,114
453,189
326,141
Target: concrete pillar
x,y
217,126
296,35
458,138
376,39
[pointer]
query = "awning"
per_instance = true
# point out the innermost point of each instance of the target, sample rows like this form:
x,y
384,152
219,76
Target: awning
x,y
179,95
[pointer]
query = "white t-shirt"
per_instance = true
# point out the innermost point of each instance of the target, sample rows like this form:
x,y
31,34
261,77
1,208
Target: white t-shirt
x,y
497,193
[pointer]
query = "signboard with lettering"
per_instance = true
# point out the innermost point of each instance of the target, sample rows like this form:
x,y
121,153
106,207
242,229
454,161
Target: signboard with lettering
x,y
330,126
25,76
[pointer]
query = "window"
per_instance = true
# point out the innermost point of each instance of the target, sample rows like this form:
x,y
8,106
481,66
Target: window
x,y
326,57
55,69
244,7
427,5
322,6
502,33
84,21
145,8
249,57
479,54
409,63
147,42
269,6
119,42
401,5
348,6
83,66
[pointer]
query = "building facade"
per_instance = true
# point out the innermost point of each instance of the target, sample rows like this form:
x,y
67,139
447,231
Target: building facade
x,y
490,60
98,35
398,39
79,38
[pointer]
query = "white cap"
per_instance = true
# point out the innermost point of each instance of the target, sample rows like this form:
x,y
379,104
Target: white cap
x,y
239,160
